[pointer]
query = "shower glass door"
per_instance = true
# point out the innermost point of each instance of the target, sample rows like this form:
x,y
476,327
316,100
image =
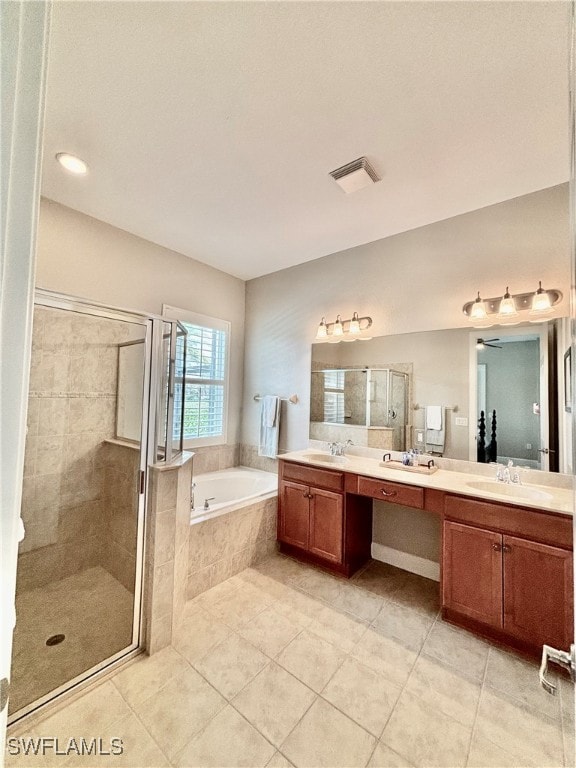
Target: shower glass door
x,y
397,408
79,564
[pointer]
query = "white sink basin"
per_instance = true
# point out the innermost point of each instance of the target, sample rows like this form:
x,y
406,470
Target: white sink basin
x,y
326,458
510,489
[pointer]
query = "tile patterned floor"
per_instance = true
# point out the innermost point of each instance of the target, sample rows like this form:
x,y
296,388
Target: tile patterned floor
x,y
284,665
91,608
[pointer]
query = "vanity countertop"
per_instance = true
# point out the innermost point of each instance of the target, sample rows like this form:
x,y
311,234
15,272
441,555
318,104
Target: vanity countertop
x,y
543,497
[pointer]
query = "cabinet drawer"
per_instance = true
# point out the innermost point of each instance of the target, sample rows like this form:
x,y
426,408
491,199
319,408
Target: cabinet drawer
x,y
397,493
527,523
320,478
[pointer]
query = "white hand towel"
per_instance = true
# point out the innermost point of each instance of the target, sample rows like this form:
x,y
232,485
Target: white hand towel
x,y
434,417
269,426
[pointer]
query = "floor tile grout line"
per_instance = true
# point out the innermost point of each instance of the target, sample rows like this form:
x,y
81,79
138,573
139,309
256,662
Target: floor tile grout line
x,y
482,684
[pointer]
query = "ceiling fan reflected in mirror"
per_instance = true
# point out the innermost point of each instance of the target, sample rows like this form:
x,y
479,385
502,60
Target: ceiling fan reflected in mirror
x,y
483,343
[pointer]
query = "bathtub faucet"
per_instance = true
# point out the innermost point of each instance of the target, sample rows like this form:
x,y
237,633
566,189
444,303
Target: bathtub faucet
x,y
206,502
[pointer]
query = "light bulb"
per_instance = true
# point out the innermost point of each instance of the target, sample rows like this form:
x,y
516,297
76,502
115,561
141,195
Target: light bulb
x,y
507,306
541,301
478,309
322,331
338,330
354,324
72,163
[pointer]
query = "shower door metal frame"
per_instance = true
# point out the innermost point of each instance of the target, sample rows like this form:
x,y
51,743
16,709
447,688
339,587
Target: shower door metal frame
x,y
151,324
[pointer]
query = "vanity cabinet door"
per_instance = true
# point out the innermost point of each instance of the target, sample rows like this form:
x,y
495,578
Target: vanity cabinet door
x,y
472,573
538,592
294,514
326,525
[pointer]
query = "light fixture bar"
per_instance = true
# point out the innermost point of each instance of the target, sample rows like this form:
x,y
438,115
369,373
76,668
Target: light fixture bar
x,y
340,328
523,301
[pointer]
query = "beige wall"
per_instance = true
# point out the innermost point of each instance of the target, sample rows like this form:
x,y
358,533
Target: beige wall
x,y
414,281
84,257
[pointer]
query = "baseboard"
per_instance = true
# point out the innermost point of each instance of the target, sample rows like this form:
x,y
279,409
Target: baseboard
x,y
419,565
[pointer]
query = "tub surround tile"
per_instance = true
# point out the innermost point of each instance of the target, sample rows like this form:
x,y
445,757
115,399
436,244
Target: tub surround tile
x,y
225,545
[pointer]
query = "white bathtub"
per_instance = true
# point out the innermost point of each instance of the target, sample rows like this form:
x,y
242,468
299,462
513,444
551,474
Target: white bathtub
x,y
230,489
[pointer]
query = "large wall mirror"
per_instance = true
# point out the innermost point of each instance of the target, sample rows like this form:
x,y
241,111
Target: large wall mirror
x,y
428,391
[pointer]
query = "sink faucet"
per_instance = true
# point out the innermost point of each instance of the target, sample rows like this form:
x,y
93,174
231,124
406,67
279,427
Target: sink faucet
x,y
506,475
337,449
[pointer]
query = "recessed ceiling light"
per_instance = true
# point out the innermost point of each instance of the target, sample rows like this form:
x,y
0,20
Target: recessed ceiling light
x,y
72,163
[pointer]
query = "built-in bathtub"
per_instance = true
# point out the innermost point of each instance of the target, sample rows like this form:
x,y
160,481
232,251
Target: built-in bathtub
x,y
237,530
230,489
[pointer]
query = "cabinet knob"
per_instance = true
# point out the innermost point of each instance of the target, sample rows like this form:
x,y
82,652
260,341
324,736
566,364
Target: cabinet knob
x,y
506,548
496,547
388,493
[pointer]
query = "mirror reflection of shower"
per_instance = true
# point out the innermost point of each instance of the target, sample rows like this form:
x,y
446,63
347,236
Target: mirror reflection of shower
x,y
366,405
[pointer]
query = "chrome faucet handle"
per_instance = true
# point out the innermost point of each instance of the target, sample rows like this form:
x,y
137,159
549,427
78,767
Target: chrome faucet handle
x,y
207,502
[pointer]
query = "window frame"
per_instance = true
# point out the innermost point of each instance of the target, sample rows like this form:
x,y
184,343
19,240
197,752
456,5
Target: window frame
x,y
218,324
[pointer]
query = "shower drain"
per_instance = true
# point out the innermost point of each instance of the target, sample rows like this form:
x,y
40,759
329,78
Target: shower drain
x,y
55,639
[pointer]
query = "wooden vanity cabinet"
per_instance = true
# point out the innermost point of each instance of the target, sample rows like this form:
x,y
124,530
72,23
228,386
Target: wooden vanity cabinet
x,y
517,589
318,522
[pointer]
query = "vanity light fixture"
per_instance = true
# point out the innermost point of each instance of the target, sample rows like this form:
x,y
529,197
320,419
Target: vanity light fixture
x,y
72,163
541,303
477,310
322,329
343,330
508,307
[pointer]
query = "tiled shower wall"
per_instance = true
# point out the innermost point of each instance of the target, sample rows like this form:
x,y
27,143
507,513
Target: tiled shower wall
x,y
71,412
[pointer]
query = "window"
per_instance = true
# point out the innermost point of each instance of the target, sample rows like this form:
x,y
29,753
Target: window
x,y
204,382
334,396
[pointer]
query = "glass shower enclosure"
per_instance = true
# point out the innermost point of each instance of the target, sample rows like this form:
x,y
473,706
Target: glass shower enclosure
x,y
95,407
367,405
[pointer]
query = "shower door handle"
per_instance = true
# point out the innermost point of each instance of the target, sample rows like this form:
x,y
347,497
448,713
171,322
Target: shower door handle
x,y
141,482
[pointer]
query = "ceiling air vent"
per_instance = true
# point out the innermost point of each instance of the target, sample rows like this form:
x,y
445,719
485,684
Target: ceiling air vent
x,y
355,175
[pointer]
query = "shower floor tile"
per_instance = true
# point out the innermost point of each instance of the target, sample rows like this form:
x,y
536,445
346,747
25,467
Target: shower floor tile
x,y
91,609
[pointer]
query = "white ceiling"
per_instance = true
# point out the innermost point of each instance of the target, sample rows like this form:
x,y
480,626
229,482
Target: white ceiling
x,y
210,128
